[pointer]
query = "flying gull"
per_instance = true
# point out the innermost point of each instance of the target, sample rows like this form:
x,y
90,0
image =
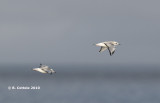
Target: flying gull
x,y
110,45
44,69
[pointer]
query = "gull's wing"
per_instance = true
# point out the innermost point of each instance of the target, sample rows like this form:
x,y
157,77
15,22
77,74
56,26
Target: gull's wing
x,y
39,70
111,48
102,49
42,71
44,67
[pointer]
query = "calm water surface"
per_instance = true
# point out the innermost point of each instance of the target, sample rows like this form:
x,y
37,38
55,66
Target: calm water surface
x,y
82,84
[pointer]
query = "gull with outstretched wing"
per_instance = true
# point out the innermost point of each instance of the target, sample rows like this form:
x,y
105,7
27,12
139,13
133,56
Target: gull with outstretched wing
x,y
44,69
110,45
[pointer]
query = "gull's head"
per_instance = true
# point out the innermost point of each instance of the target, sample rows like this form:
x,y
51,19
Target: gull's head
x,y
115,43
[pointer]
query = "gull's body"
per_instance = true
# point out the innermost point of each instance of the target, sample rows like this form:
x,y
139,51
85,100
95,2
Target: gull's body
x,y
44,69
110,45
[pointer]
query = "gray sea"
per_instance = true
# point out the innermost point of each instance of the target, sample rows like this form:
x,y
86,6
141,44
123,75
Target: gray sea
x,y
89,83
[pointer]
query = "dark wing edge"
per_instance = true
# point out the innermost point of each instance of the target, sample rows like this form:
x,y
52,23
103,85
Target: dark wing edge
x,y
108,49
100,49
113,52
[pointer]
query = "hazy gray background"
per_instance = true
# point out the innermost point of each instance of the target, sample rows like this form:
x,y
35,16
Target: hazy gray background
x,y
64,31
61,34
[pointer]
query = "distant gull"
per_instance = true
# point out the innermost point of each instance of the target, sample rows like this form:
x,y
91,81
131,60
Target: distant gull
x,y
44,69
110,45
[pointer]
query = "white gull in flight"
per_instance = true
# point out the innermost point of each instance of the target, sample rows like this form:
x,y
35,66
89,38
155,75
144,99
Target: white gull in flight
x,y
44,69
110,45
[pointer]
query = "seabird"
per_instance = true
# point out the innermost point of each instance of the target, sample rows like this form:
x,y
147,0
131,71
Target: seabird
x,y
44,69
110,45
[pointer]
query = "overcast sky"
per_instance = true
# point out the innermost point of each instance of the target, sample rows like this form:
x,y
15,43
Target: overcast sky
x,y
64,31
